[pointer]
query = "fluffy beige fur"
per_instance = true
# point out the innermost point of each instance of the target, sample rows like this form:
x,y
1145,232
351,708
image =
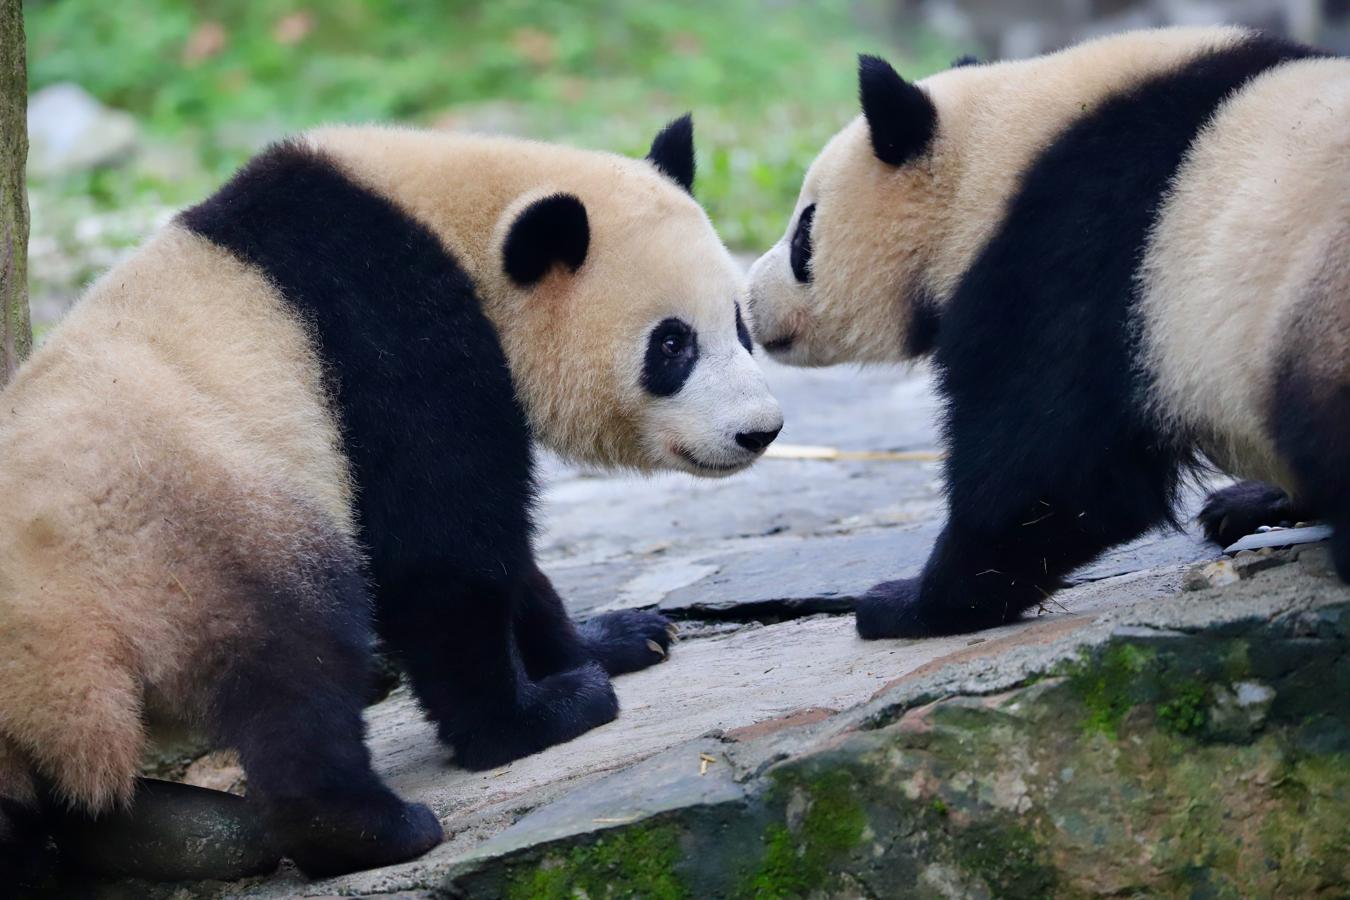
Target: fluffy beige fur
x,y
1253,246
884,235
172,427
173,437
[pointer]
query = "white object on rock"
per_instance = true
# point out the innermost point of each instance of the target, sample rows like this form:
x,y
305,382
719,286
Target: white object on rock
x,y
69,131
1282,537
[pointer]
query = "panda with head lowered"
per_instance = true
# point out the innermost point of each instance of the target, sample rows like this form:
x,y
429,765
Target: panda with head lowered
x,y
1118,257
303,414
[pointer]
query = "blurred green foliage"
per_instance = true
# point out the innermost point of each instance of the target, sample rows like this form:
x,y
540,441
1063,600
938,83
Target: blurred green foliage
x,y
768,81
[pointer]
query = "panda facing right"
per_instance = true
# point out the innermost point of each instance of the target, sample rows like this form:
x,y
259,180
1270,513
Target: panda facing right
x,y
1118,257
304,412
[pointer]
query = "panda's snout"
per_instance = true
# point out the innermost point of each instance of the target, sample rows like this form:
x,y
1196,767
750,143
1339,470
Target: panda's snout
x,y
755,441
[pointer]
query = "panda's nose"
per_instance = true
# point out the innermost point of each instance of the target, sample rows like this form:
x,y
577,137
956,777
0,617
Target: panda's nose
x,y
755,441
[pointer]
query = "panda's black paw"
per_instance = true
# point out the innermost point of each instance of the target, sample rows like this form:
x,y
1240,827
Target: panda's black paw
x,y
627,640
1233,512
891,610
550,711
367,832
896,609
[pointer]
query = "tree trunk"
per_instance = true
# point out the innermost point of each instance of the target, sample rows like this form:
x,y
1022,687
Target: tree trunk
x,y
16,335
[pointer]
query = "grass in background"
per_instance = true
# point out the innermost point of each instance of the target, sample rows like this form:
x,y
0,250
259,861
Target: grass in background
x,y
211,81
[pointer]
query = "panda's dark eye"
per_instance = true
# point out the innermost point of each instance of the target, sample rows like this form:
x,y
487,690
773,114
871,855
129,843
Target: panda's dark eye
x,y
800,255
672,351
743,333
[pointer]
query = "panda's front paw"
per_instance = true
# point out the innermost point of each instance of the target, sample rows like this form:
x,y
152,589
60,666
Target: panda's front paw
x,y
550,711
1236,511
627,640
891,610
898,609
341,834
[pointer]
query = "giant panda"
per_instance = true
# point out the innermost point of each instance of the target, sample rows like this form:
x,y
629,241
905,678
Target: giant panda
x,y
1118,257
314,397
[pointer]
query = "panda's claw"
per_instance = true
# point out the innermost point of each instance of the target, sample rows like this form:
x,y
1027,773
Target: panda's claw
x,y
627,640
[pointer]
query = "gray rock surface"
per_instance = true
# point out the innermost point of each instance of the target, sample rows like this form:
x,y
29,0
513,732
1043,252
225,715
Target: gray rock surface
x,y
69,131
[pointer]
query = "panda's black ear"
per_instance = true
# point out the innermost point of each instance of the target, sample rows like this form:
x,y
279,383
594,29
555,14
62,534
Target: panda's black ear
x,y
673,151
900,116
549,231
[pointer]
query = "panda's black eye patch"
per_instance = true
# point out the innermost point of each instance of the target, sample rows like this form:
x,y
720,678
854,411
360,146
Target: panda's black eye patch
x,y
672,350
800,255
743,333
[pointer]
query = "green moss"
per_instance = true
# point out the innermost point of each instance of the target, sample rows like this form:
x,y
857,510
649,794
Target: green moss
x,y
1185,710
798,861
632,862
1007,858
1107,685
939,806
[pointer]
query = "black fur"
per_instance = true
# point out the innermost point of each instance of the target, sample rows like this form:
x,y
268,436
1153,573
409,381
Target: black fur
x,y
799,251
900,117
743,333
967,60
440,450
27,859
673,151
924,321
550,231
1236,511
672,353
1051,456
1310,420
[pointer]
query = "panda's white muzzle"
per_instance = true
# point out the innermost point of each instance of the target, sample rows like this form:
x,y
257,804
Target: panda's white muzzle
x,y
722,419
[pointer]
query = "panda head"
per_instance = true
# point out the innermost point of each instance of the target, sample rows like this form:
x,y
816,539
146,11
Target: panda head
x,y
624,318
844,283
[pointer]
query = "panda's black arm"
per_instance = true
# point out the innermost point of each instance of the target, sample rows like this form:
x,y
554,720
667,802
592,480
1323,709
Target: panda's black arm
x,y
622,641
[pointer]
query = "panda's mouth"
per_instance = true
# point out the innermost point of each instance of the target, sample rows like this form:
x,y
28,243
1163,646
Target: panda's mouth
x,y
697,463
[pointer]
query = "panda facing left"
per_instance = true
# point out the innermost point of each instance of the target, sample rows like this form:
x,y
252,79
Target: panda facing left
x,y
302,415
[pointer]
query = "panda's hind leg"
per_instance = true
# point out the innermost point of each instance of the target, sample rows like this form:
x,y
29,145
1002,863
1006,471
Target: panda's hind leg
x,y
1309,414
1312,432
291,703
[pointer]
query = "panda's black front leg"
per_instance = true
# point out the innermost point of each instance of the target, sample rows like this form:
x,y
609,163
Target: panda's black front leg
x,y
467,670
622,641
967,585
1006,549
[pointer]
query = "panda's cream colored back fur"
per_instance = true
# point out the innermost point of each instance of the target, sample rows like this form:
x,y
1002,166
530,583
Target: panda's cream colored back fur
x,y
150,440
1250,260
